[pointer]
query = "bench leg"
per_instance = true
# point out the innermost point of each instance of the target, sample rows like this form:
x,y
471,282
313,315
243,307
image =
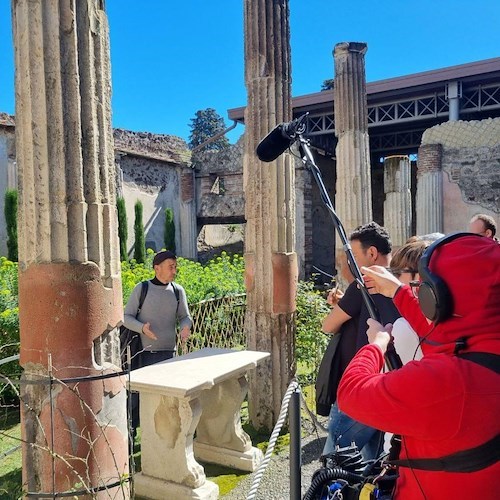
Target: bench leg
x,y
169,469
220,438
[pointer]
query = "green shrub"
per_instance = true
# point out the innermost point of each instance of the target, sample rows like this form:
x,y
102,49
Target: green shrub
x,y
9,327
10,212
122,227
310,341
169,230
140,241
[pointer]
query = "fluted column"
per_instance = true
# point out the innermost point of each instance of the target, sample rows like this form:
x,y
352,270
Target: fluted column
x,y
353,192
397,204
270,259
69,269
429,209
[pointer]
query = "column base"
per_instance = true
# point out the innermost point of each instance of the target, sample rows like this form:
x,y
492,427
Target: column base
x,y
159,489
247,460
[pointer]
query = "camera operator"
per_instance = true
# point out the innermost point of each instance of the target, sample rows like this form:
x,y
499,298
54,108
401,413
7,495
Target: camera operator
x,y
446,406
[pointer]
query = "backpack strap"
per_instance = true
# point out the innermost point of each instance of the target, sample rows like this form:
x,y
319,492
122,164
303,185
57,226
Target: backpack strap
x,y
175,288
471,460
486,359
144,292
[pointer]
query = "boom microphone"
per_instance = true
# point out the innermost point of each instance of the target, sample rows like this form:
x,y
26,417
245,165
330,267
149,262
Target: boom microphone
x,y
279,139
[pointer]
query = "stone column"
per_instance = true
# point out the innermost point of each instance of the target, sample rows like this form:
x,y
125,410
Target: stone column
x,y
270,259
70,303
429,208
304,217
397,204
187,215
353,198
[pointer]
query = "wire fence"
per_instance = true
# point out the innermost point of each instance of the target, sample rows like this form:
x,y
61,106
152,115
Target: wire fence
x,y
217,323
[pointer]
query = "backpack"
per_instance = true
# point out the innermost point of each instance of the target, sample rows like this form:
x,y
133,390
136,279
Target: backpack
x,y
130,338
133,339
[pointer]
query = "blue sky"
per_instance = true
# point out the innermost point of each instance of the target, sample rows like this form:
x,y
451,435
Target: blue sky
x,y
171,58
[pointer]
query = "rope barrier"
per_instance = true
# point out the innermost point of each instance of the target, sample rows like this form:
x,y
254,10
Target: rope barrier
x,y
272,441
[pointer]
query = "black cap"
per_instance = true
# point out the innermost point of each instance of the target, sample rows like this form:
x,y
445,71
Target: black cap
x,y
164,255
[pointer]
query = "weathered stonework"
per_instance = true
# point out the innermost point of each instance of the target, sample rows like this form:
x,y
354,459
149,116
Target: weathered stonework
x,y
155,169
219,185
467,157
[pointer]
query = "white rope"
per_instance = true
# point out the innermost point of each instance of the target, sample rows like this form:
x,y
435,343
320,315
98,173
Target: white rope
x,y
272,441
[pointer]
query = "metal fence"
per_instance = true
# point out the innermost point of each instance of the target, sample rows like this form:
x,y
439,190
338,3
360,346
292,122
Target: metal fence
x,y
217,323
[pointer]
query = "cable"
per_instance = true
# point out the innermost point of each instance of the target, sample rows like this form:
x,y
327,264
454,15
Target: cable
x,y
272,441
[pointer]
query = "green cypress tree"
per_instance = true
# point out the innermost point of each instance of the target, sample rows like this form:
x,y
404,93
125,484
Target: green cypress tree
x,y
169,230
10,212
122,227
140,240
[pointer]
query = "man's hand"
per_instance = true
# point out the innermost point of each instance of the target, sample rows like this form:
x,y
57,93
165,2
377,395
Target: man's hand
x,y
185,333
379,280
334,296
379,335
146,329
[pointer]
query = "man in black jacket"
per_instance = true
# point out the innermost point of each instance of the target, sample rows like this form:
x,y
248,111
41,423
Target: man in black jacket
x,y
371,245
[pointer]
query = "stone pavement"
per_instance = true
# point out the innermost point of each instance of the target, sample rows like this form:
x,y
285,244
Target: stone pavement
x,y
275,483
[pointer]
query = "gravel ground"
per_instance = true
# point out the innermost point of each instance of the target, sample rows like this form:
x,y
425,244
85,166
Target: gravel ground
x,y
275,483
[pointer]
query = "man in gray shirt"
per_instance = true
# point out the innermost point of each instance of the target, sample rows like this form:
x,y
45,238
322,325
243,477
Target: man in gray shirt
x,y
157,319
165,304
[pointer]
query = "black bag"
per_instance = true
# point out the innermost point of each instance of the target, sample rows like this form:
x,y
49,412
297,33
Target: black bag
x,y
131,338
327,379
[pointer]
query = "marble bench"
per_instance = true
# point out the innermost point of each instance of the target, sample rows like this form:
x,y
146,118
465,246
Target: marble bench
x,y
198,392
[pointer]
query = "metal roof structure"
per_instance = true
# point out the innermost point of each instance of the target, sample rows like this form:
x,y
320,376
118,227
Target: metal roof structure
x,y
400,109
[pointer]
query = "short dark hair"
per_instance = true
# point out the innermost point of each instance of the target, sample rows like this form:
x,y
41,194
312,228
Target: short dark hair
x,y
489,223
373,235
163,255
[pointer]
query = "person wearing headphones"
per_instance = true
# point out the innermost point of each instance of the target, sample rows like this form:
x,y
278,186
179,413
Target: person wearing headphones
x,y
446,406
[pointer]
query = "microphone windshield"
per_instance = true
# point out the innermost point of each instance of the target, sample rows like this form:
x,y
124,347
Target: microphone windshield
x,y
273,144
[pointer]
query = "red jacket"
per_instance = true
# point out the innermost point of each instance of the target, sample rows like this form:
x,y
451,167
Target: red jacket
x,y
441,404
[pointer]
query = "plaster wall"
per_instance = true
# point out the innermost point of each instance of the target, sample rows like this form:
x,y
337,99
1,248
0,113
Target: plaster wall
x,y
156,185
470,168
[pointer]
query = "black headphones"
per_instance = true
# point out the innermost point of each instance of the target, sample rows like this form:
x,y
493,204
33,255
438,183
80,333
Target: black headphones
x,y
434,295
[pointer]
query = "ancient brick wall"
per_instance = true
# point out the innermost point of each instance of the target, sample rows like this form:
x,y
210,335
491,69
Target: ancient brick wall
x,y
470,161
219,184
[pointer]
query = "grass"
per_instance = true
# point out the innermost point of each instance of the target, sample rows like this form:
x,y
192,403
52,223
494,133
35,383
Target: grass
x,y
226,478
10,463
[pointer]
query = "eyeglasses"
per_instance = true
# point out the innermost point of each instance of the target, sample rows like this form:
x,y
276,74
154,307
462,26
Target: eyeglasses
x,y
415,286
398,272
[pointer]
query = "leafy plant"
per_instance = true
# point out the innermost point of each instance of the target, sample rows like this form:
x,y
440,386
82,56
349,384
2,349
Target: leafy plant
x,y
169,230
140,240
122,227
10,212
206,124
9,326
310,342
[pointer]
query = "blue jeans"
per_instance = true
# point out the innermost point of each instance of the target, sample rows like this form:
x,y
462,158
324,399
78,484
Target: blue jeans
x,y
342,430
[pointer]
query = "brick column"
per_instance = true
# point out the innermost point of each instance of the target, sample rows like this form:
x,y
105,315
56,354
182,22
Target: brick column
x,y
270,259
70,299
429,189
397,204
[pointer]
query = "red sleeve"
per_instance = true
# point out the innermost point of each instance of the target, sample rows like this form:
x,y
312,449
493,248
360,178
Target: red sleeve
x,y
405,401
409,308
